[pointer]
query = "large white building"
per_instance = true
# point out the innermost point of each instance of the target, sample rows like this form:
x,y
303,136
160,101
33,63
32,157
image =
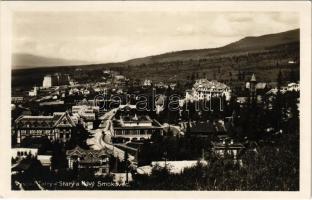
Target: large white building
x,y
47,81
128,125
205,90
56,79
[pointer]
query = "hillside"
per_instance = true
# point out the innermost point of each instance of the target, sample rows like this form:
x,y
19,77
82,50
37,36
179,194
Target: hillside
x,y
243,45
264,55
24,61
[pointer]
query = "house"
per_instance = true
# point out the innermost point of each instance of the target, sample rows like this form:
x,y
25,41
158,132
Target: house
x,y
147,82
227,146
58,127
205,90
23,152
52,103
160,103
128,124
121,178
293,87
86,115
45,160
290,87
160,85
89,158
55,80
17,99
33,92
87,119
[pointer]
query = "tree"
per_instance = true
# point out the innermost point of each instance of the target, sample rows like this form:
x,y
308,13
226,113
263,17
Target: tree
x,y
58,159
126,163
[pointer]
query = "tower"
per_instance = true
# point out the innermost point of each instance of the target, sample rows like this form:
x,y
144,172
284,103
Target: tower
x,y
253,89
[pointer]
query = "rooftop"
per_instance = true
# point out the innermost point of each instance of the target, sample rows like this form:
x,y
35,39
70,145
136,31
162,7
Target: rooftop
x,y
204,83
41,121
89,155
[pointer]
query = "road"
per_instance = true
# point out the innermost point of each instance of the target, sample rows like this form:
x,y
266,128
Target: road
x,y
102,136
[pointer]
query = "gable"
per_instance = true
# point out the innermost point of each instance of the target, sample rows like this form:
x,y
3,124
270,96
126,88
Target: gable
x,y
64,121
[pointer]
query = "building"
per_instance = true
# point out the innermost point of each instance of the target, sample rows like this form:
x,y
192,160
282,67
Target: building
x,y
86,115
227,146
45,160
205,90
55,80
24,152
128,124
293,87
17,99
147,82
290,87
33,93
252,86
47,81
52,103
95,159
160,85
58,127
160,103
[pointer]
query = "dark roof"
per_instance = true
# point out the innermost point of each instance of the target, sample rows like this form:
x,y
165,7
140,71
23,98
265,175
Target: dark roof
x,y
136,118
88,155
58,119
23,165
206,127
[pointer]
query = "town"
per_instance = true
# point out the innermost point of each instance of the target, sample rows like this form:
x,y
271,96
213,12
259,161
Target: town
x,y
116,133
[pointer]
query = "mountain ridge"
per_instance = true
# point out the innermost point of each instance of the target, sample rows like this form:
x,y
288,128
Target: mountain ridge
x,y
240,45
249,43
263,55
26,61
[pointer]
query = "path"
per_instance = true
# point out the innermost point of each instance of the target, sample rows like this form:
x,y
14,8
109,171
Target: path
x,y
102,136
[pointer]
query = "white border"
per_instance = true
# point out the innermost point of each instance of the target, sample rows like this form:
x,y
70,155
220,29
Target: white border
x,y
302,7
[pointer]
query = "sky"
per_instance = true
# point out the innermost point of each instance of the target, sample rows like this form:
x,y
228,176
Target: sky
x,y
100,37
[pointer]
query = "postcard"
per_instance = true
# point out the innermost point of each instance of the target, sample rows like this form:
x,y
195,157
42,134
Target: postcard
x,y
132,99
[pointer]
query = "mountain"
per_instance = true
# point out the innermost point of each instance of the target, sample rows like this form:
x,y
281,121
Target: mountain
x,y
23,61
264,55
247,44
234,63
